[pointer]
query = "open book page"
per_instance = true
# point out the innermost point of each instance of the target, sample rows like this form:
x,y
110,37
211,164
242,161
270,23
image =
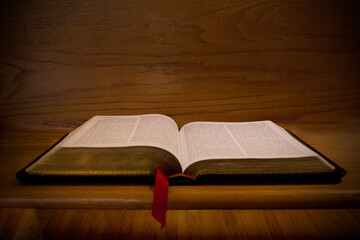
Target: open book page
x,y
123,131
222,140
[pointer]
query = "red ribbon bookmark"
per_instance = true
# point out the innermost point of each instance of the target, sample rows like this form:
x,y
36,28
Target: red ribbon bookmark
x,y
160,197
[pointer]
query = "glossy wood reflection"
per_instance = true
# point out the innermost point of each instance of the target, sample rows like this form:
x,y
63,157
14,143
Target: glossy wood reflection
x,y
181,224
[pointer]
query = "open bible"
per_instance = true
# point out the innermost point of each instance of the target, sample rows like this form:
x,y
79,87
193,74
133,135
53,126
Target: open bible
x,y
135,146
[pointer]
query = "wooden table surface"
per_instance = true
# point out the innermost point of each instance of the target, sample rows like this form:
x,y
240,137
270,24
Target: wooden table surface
x,y
293,62
339,144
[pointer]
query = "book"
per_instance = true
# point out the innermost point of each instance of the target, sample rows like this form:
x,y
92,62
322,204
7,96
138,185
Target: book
x,y
123,147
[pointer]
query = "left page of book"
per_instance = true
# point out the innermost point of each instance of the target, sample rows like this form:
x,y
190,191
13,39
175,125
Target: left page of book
x,y
154,130
115,145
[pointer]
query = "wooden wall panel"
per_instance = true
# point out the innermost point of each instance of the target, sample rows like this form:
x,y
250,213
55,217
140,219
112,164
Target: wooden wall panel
x,y
62,62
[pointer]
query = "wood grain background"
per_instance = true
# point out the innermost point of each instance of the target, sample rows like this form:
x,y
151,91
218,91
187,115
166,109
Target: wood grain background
x,y
62,62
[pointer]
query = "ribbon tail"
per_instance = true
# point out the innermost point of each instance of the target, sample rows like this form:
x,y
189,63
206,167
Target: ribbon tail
x,y
160,199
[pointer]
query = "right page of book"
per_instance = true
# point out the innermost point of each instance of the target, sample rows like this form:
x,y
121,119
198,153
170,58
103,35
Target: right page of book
x,y
248,140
